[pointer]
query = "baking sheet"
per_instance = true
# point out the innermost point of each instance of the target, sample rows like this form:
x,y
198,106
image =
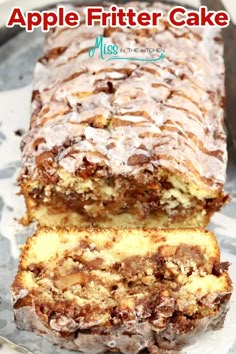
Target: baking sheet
x,y
17,60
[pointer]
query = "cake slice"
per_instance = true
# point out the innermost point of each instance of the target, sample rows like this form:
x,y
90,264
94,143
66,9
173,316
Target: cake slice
x,y
124,143
124,290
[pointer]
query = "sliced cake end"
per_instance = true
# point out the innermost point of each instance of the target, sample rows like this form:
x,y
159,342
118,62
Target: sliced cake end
x,y
126,290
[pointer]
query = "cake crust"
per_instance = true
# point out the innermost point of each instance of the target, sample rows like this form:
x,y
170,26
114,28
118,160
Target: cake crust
x,y
123,143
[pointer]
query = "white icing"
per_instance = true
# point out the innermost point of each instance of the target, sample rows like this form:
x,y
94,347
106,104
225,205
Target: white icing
x,y
145,95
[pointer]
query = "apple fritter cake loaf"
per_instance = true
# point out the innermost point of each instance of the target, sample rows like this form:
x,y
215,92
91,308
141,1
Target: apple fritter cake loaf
x,y
94,290
125,143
